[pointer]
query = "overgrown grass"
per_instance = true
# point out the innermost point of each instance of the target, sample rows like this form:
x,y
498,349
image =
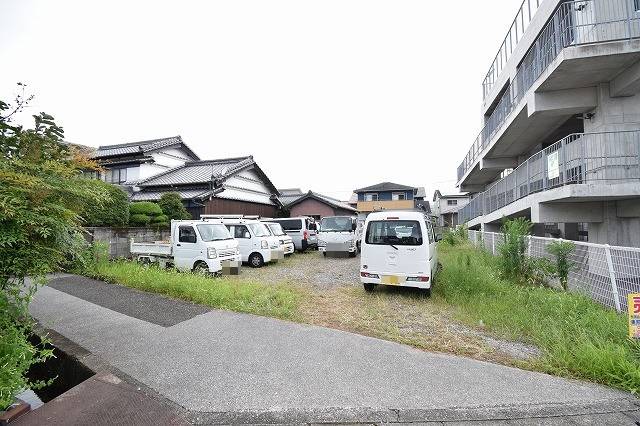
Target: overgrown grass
x,y
279,301
578,337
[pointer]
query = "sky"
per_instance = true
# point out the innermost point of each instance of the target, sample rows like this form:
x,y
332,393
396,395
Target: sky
x,y
328,95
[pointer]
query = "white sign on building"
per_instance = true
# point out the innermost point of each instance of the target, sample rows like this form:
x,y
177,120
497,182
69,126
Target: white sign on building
x,y
553,165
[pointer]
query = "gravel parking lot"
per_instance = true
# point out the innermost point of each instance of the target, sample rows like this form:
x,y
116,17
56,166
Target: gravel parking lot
x,y
308,268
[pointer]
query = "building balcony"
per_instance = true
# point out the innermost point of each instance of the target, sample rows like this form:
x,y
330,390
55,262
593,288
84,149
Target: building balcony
x,y
580,167
561,58
371,206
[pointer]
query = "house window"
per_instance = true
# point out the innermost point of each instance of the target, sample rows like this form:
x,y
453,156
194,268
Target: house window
x,y
397,196
452,202
636,5
115,176
371,197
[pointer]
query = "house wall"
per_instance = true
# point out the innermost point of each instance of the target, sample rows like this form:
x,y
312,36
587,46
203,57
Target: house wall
x,y
369,206
224,206
386,195
315,208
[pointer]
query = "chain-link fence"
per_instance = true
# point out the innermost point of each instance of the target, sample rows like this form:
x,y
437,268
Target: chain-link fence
x,y
605,273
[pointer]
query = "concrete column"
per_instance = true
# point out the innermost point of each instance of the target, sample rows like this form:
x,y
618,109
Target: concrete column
x,y
615,230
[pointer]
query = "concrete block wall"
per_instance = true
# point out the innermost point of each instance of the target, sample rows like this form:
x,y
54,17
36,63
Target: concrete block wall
x,y
118,238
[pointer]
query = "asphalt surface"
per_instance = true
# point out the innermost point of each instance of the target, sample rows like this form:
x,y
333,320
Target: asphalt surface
x,y
149,307
225,367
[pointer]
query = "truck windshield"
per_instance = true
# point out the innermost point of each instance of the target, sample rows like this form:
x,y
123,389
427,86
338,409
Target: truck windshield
x,y
214,232
259,229
335,224
276,229
394,232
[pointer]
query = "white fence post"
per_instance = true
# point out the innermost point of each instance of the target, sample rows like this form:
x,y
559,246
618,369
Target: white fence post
x,y
493,243
528,245
612,274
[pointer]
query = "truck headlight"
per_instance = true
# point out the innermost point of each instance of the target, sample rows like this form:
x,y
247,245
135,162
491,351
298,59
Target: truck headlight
x,y
264,244
211,253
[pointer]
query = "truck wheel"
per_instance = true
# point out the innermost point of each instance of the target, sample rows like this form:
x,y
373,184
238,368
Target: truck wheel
x,y
144,261
426,292
256,260
201,268
369,287
324,253
353,253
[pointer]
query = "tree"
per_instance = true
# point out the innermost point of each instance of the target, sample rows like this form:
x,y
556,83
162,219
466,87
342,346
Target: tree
x,y
172,207
144,213
42,192
114,212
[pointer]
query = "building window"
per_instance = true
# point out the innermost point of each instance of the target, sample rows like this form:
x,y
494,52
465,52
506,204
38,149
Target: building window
x,y
636,5
371,197
452,202
115,176
397,196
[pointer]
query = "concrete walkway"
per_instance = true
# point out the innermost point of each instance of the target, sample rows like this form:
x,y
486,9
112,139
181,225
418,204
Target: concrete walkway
x,y
225,367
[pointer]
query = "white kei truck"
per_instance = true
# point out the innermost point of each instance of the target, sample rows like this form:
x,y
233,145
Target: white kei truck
x,y
195,245
339,234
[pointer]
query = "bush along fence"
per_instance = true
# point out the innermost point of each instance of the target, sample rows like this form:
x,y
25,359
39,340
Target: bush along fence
x,y
605,273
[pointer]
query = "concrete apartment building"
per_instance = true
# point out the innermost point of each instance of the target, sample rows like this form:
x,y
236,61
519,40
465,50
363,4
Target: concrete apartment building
x,y
561,137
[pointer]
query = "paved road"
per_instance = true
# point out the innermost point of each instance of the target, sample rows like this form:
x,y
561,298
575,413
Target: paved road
x,y
228,367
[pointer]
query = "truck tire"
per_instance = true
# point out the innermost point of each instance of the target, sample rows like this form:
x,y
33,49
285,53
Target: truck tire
x,y
426,292
201,268
368,287
353,253
256,260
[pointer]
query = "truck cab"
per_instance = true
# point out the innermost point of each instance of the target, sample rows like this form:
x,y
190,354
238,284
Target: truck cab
x,y
257,245
339,234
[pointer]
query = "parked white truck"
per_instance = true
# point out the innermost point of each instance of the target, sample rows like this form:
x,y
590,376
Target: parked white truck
x,y
339,234
195,245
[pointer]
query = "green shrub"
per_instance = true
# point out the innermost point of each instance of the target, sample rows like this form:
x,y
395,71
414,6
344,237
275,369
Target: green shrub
x,y
146,208
561,250
172,207
513,247
160,219
449,237
139,220
462,232
112,212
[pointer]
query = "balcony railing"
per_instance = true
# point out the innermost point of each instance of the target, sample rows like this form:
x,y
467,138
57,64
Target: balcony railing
x,y
574,23
519,25
609,157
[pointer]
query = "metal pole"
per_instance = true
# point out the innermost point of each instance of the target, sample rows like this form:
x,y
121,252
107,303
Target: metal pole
x,y
612,274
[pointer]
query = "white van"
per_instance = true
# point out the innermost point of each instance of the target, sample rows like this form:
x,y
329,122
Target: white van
x,y
286,242
195,245
339,234
257,245
302,229
398,248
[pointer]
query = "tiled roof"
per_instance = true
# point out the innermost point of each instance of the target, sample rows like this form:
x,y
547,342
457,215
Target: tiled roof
x,y
186,194
198,172
387,186
140,147
294,199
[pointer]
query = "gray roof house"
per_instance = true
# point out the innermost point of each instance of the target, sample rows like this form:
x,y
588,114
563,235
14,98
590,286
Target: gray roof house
x,y
127,163
223,186
313,204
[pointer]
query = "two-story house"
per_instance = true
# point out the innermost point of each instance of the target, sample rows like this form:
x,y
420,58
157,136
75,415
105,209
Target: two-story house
x,y
390,196
445,208
128,163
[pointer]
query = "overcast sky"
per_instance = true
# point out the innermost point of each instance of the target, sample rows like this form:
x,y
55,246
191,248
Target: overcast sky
x,y
326,95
